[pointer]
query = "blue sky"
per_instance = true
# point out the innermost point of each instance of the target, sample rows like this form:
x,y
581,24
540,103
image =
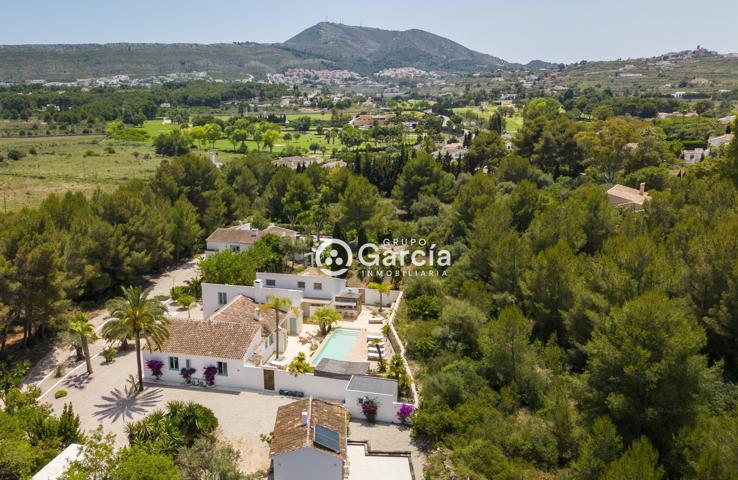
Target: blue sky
x,y
516,30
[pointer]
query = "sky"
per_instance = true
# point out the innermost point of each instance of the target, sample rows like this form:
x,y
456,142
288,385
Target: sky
x,y
515,30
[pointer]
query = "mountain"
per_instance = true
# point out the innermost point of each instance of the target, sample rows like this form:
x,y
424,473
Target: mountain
x,y
369,50
325,45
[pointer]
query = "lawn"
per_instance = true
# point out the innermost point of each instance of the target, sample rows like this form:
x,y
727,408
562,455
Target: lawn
x,y
77,163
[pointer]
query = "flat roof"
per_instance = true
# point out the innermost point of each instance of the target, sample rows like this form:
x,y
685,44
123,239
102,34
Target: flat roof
x,y
56,467
365,383
329,367
365,466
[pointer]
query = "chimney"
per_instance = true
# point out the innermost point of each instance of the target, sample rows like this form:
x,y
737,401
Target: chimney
x,y
257,313
304,418
643,188
258,283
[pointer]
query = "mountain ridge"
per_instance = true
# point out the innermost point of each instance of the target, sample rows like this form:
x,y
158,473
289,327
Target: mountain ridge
x,y
325,45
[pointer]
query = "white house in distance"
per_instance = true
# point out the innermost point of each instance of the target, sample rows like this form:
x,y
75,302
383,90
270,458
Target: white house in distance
x,y
690,157
241,237
719,141
309,441
620,195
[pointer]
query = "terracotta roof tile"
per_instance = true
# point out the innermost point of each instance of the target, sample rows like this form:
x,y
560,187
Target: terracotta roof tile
x,y
242,310
209,339
290,434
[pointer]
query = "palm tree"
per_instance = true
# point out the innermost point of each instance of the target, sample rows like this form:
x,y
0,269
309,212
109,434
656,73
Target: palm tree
x,y
80,325
325,317
382,288
277,304
138,316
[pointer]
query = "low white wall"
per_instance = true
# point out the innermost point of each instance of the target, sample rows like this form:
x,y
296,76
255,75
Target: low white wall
x,y
259,294
371,297
321,387
387,407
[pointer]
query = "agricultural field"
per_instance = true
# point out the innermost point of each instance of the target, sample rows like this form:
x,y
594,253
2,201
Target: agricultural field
x,y
76,163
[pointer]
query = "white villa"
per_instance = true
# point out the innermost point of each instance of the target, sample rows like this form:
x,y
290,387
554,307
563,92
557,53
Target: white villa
x,y
693,156
241,237
237,338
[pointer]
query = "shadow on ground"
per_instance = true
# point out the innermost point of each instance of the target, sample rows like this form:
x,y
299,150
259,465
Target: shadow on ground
x,y
124,404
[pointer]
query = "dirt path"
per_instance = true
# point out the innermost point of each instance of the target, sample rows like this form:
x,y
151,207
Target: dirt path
x,y
42,374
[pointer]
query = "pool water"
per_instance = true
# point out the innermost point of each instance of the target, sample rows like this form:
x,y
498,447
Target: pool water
x,y
338,345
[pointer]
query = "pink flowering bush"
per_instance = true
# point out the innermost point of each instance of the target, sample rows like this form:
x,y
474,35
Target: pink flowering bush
x,y
404,413
155,366
369,409
209,374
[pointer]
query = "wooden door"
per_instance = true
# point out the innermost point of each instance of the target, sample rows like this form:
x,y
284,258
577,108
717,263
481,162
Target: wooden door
x,y
268,379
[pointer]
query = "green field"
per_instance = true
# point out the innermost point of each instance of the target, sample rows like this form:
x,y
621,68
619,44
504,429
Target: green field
x,y
77,163
475,114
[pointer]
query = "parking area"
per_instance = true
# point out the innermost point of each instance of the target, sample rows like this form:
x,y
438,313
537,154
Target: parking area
x,y
102,398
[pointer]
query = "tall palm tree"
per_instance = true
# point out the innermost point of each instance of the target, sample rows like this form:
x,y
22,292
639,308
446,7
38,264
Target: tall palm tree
x,y
80,325
382,288
138,316
277,304
325,317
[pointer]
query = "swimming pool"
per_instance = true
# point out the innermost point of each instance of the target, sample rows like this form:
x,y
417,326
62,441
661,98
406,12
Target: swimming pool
x,y
338,345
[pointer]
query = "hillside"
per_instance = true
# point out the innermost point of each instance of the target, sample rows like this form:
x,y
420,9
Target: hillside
x,y
368,50
325,45
666,74
64,62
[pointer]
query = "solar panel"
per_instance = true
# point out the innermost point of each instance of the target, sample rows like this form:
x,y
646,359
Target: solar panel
x,y
327,438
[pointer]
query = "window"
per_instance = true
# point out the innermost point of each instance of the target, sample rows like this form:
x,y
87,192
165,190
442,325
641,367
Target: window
x,y
223,369
270,282
271,340
235,248
222,298
317,286
300,284
173,363
187,364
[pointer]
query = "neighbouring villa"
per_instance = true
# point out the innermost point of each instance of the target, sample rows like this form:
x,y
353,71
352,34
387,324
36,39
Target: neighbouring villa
x,y
622,196
241,237
235,344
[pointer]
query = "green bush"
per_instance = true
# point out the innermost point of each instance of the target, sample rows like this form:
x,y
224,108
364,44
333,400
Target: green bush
x,y
15,154
60,393
109,353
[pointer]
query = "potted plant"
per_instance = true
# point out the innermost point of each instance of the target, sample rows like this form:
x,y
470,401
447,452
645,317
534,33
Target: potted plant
x,y
187,373
209,374
155,366
403,414
369,409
